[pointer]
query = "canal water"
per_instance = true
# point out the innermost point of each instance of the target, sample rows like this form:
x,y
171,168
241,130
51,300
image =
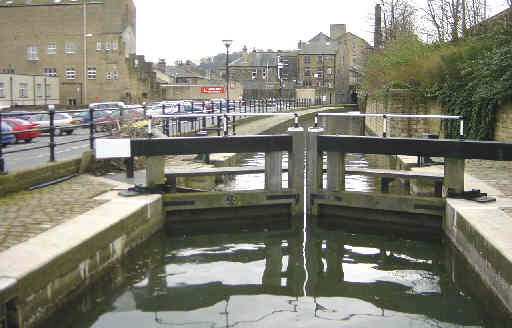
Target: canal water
x,y
286,275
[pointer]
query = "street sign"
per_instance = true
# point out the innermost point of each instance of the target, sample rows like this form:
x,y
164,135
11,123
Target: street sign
x,y
212,89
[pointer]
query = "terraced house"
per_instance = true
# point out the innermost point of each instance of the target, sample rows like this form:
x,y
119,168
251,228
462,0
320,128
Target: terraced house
x,y
88,44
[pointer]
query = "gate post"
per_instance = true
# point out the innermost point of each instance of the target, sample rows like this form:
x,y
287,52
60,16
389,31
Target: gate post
x,y
155,171
335,171
273,171
314,169
453,175
296,166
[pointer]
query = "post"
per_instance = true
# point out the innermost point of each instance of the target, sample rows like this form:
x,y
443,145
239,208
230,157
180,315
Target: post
x,y
91,128
453,175
52,133
314,168
296,165
130,167
2,162
335,171
273,171
155,171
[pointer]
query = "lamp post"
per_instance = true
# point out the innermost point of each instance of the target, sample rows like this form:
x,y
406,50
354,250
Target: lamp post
x,y
227,43
85,35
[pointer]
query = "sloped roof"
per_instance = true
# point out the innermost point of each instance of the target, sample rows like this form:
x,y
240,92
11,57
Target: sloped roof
x,y
176,71
320,44
259,58
24,3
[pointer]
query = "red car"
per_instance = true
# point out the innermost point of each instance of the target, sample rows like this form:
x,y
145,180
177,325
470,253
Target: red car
x,y
25,127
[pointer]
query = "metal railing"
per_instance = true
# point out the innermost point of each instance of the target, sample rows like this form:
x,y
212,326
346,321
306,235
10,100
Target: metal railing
x,y
186,116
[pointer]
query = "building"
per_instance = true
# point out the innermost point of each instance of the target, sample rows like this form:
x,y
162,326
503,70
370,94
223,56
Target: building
x,y
88,44
24,90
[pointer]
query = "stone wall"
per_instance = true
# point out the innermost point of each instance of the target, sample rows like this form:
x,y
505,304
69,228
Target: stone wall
x,y
503,130
403,102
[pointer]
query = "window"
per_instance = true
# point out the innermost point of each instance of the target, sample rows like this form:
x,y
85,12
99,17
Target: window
x,y
115,45
23,90
2,94
70,48
39,90
329,70
320,60
264,73
91,73
109,75
52,48
307,71
319,74
98,45
254,73
116,75
32,53
48,90
307,60
107,45
70,73
50,71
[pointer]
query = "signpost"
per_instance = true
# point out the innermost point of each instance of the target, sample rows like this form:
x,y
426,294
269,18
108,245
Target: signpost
x,y
211,90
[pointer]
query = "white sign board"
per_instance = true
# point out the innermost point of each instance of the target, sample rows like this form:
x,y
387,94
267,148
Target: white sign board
x,y
112,148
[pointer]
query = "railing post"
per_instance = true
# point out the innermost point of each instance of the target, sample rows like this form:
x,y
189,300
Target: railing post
x,y
52,133
296,165
2,162
91,128
314,168
130,167
453,175
273,171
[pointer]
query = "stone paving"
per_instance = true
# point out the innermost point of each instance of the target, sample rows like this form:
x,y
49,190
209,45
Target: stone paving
x,y
28,213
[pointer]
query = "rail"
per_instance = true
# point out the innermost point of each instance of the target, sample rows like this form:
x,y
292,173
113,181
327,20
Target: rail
x,y
99,125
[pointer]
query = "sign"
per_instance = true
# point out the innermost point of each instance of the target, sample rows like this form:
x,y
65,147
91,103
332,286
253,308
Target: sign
x,y
112,148
212,89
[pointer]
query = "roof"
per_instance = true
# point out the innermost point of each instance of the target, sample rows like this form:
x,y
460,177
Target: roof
x,y
259,58
24,3
319,44
176,71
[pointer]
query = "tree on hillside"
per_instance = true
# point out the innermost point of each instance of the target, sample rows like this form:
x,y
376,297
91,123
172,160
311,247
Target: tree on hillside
x,y
398,18
451,19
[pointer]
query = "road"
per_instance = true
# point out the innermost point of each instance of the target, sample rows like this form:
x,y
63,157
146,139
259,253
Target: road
x,y
15,160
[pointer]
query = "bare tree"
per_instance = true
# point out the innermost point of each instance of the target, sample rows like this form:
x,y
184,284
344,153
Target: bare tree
x,y
451,19
398,17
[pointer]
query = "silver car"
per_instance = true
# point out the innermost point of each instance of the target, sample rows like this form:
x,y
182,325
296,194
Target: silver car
x,y
63,122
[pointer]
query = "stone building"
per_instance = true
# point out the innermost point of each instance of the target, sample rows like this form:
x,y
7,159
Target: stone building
x,y
88,44
352,54
23,90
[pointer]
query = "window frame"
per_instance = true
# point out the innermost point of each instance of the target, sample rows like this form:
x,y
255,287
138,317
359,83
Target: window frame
x,y
70,73
70,48
91,73
2,90
32,52
52,50
23,90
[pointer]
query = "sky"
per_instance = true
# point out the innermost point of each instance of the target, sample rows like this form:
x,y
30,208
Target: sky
x,y
193,29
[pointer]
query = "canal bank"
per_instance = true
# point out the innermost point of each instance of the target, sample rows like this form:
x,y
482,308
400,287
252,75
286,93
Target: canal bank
x,y
50,259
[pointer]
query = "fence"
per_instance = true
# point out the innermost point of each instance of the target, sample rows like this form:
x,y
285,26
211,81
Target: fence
x,y
188,120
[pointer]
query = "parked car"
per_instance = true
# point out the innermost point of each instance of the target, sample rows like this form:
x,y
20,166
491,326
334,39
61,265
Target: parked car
x,y
63,122
7,136
23,130
112,105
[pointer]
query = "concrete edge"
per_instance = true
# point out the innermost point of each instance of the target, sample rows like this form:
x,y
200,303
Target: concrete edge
x,y
42,273
482,233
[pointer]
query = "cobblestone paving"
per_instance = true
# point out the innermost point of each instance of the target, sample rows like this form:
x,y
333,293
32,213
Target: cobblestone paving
x,y
497,174
26,214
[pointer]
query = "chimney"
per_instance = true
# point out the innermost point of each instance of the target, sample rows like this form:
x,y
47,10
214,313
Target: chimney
x,y
300,45
338,30
245,55
162,66
377,37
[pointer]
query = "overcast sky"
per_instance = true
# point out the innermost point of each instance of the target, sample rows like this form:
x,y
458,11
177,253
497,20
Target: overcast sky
x,y
193,29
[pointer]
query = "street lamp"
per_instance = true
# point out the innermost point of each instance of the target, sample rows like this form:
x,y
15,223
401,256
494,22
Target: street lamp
x,y
227,43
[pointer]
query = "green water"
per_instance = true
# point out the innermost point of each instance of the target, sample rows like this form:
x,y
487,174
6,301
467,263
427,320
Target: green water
x,y
285,277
